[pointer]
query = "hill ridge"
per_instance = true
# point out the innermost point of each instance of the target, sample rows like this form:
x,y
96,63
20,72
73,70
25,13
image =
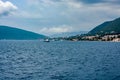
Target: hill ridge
x,y
107,27
7,32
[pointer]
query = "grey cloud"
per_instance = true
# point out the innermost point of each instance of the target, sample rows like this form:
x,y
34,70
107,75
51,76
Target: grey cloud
x,y
99,1
82,1
92,1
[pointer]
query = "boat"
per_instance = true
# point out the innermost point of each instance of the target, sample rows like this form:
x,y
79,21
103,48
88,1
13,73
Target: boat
x,y
46,40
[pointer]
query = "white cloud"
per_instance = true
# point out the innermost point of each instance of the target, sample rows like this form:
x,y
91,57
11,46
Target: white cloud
x,y
74,4
57,29
6,8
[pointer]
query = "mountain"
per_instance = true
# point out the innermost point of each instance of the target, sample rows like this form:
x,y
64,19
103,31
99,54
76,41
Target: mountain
x,y
107,28
67,34
10,33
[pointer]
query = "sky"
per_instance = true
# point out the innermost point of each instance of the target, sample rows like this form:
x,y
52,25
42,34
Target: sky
x,y
57,16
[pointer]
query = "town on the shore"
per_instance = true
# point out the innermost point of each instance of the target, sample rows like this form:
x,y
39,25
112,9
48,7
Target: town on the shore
x,y
108,37
84,37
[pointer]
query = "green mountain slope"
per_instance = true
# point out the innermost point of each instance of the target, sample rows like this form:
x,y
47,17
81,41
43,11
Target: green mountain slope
x,y
107,27
18,34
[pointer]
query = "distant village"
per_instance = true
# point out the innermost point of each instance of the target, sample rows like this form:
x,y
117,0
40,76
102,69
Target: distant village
x,y
107,37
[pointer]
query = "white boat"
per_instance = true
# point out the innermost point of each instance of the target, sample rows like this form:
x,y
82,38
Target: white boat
x,y
46,40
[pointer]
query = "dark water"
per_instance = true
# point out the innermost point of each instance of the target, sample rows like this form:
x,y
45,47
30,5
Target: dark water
x,y
35,60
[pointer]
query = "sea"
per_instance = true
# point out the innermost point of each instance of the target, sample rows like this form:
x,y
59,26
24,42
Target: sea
x,y
59,60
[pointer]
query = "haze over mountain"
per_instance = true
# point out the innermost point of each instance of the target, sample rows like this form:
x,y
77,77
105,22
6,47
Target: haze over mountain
x,y
10,33
67,34
107,27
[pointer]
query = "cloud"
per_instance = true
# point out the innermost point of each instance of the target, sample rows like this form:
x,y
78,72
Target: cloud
x,y
90,1
98,1
41,2
81,1
57,29
6,8
48,16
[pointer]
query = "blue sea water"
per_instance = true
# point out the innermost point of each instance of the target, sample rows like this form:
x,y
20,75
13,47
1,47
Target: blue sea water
x,y
60,60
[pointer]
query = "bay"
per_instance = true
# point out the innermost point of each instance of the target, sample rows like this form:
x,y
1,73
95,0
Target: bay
x,y
60,60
